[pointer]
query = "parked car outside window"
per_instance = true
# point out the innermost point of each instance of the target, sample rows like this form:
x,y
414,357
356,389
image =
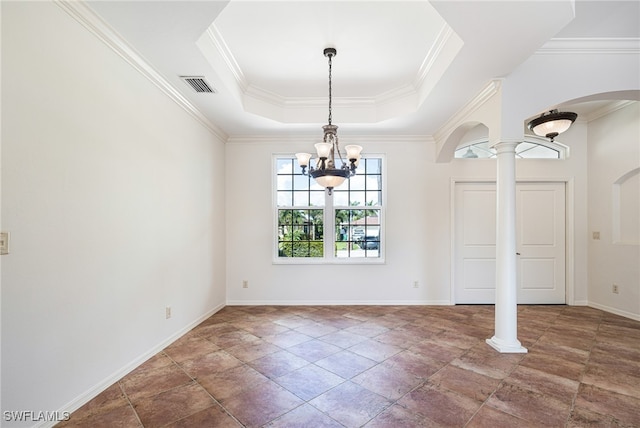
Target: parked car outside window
x,y
370,243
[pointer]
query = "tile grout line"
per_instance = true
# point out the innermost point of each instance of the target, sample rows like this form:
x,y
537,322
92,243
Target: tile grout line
x,y
126,396
205,390
502,381
584,369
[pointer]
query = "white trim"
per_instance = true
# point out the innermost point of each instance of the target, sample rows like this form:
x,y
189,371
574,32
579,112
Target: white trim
x,y
328,223
249,90
590,46
79,11
609,109
226,54
485,94
338,302
506,348
452,248
569,227
444,35
569,242
93,392
298,140
616,211
562,149
291,261
615,311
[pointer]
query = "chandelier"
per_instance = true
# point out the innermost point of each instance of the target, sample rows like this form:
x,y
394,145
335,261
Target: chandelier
x,y
326,173
552,124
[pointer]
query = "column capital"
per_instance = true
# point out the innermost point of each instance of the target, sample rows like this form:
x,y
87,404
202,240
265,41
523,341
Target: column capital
x,y
505,146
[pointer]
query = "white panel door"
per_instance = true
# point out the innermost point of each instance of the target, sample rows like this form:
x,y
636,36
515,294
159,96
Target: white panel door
x,y
540,235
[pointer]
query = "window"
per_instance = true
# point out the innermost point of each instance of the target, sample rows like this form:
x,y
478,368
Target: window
x,y
525,150
313,226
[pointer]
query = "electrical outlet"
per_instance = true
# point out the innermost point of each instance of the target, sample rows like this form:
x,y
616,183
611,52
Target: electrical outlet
x,y
167,312
416,284
596,236
614,289
245,284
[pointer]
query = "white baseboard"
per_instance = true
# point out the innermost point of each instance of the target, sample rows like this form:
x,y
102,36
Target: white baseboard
x,y
615,311
338,302
580,303
93,392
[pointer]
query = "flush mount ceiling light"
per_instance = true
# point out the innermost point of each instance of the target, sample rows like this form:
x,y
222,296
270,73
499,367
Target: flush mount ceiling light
x,y
552,124
326,172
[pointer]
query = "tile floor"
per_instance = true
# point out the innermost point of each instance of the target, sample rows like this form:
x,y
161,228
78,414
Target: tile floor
x,y
383,366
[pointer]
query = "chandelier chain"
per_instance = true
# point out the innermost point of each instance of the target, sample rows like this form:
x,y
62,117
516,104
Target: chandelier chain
x,y
330,56
326,173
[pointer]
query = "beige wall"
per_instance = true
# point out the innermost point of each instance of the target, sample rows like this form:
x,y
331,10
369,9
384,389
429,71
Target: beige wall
x,y
614,160
113,197
418,220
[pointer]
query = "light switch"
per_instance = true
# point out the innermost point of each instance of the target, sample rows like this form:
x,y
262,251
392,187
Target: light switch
x,y
4,243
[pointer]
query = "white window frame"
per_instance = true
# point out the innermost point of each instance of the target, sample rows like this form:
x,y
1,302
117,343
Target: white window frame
x,y
328,222
563,150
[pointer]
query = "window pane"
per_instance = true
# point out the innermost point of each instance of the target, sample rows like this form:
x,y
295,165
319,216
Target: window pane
x,y
357,182
536,151
372,231
284,166
340,199
374,198
357,198
357,233
285,199
300,233
284,182
526,149
301,182
301,198
373,166
316,198
374,182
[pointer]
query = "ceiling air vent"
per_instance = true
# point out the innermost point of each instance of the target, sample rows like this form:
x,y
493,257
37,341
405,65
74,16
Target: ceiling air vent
x,y
198,84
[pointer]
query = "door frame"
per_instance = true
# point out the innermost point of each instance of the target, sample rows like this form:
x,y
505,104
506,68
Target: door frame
x,y
569,227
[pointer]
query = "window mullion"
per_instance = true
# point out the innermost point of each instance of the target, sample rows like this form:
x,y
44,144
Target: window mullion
x,y
329,230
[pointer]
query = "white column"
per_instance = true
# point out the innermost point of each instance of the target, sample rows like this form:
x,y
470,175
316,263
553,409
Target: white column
x,y
505,338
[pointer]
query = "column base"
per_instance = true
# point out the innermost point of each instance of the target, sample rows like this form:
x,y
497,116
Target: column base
x,y
506,347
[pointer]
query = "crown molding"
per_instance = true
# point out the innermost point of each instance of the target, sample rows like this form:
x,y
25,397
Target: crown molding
x,y
79,11
438,46
227,56
396,94
576,46
310,139
306,102
608,109
485,94
250,92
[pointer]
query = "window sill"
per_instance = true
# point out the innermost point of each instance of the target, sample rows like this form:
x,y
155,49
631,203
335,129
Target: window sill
x,y
308,261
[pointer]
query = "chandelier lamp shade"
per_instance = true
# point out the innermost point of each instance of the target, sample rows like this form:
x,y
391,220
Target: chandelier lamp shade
x,y
326,173
552,124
